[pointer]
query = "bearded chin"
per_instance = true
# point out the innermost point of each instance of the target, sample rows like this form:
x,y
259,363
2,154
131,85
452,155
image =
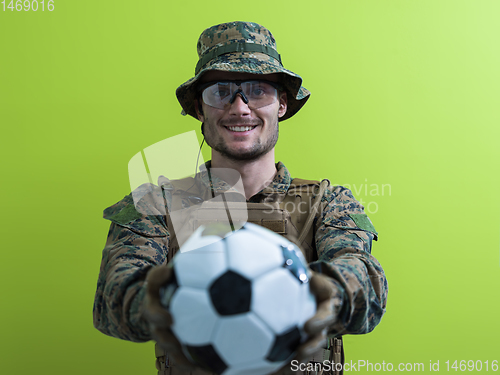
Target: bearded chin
x,y
258,148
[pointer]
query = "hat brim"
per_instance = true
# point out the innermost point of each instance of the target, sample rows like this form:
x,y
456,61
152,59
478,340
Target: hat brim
x,y
246,62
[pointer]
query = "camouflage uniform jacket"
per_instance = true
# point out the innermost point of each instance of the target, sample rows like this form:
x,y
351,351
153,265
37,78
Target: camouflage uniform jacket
x,y
137,242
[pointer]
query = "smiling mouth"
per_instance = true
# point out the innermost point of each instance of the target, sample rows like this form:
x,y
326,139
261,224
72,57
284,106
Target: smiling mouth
x,y
241,128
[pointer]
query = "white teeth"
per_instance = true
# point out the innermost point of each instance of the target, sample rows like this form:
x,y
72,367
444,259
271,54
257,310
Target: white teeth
x,y
240,128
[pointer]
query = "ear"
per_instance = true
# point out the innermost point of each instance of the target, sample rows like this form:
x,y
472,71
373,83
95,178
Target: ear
x,y
199,110
283,104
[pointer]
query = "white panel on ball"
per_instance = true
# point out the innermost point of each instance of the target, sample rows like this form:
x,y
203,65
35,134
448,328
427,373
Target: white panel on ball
x,y
276,299
194,316
242,338
198,268
251,255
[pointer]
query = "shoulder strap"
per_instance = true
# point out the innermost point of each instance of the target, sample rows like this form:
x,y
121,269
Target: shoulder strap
x,y
301,182
184,184
314,210
305,194
177,188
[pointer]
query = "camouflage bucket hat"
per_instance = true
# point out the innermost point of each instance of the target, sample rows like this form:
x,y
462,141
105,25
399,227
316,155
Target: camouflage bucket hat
x,y
243,47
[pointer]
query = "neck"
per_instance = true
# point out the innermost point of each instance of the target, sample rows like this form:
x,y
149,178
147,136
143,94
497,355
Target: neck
x,y
255,174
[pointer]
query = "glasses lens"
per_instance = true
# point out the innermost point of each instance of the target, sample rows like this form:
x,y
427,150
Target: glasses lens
x,y
258,93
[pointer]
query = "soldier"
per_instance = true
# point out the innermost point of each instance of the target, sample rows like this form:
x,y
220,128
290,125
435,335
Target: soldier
x,y
240,93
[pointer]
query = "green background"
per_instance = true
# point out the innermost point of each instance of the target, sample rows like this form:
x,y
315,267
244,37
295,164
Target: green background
x,y
405,93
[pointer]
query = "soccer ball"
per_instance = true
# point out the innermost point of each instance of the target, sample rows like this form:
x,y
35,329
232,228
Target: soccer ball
x,y
239,300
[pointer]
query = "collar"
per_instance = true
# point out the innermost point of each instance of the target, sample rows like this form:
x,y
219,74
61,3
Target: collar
x,y
279,184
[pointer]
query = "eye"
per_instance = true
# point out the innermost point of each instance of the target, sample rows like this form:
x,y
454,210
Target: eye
x,y
221,92
258,91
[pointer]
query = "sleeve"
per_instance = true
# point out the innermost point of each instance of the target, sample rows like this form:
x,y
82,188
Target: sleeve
x,y
344,238
136,242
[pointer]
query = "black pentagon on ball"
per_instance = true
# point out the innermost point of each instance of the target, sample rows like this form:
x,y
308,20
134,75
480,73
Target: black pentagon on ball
x,y
284,345
207,357
294,264
231,294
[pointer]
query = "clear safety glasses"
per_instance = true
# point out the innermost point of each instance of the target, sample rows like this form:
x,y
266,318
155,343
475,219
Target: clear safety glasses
x,y
255,94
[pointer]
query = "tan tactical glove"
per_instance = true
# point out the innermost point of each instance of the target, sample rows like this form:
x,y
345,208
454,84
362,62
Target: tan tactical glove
x,y
159,318
329,302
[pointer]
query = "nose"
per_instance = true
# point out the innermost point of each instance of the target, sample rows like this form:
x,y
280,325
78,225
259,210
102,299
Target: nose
x,y
238,106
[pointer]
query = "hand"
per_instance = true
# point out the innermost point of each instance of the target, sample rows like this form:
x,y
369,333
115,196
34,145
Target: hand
x,y
328,302
160,319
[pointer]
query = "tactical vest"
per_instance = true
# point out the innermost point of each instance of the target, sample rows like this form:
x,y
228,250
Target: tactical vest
x,y
304,196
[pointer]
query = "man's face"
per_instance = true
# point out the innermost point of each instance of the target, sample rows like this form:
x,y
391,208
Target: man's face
x,y
222,127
